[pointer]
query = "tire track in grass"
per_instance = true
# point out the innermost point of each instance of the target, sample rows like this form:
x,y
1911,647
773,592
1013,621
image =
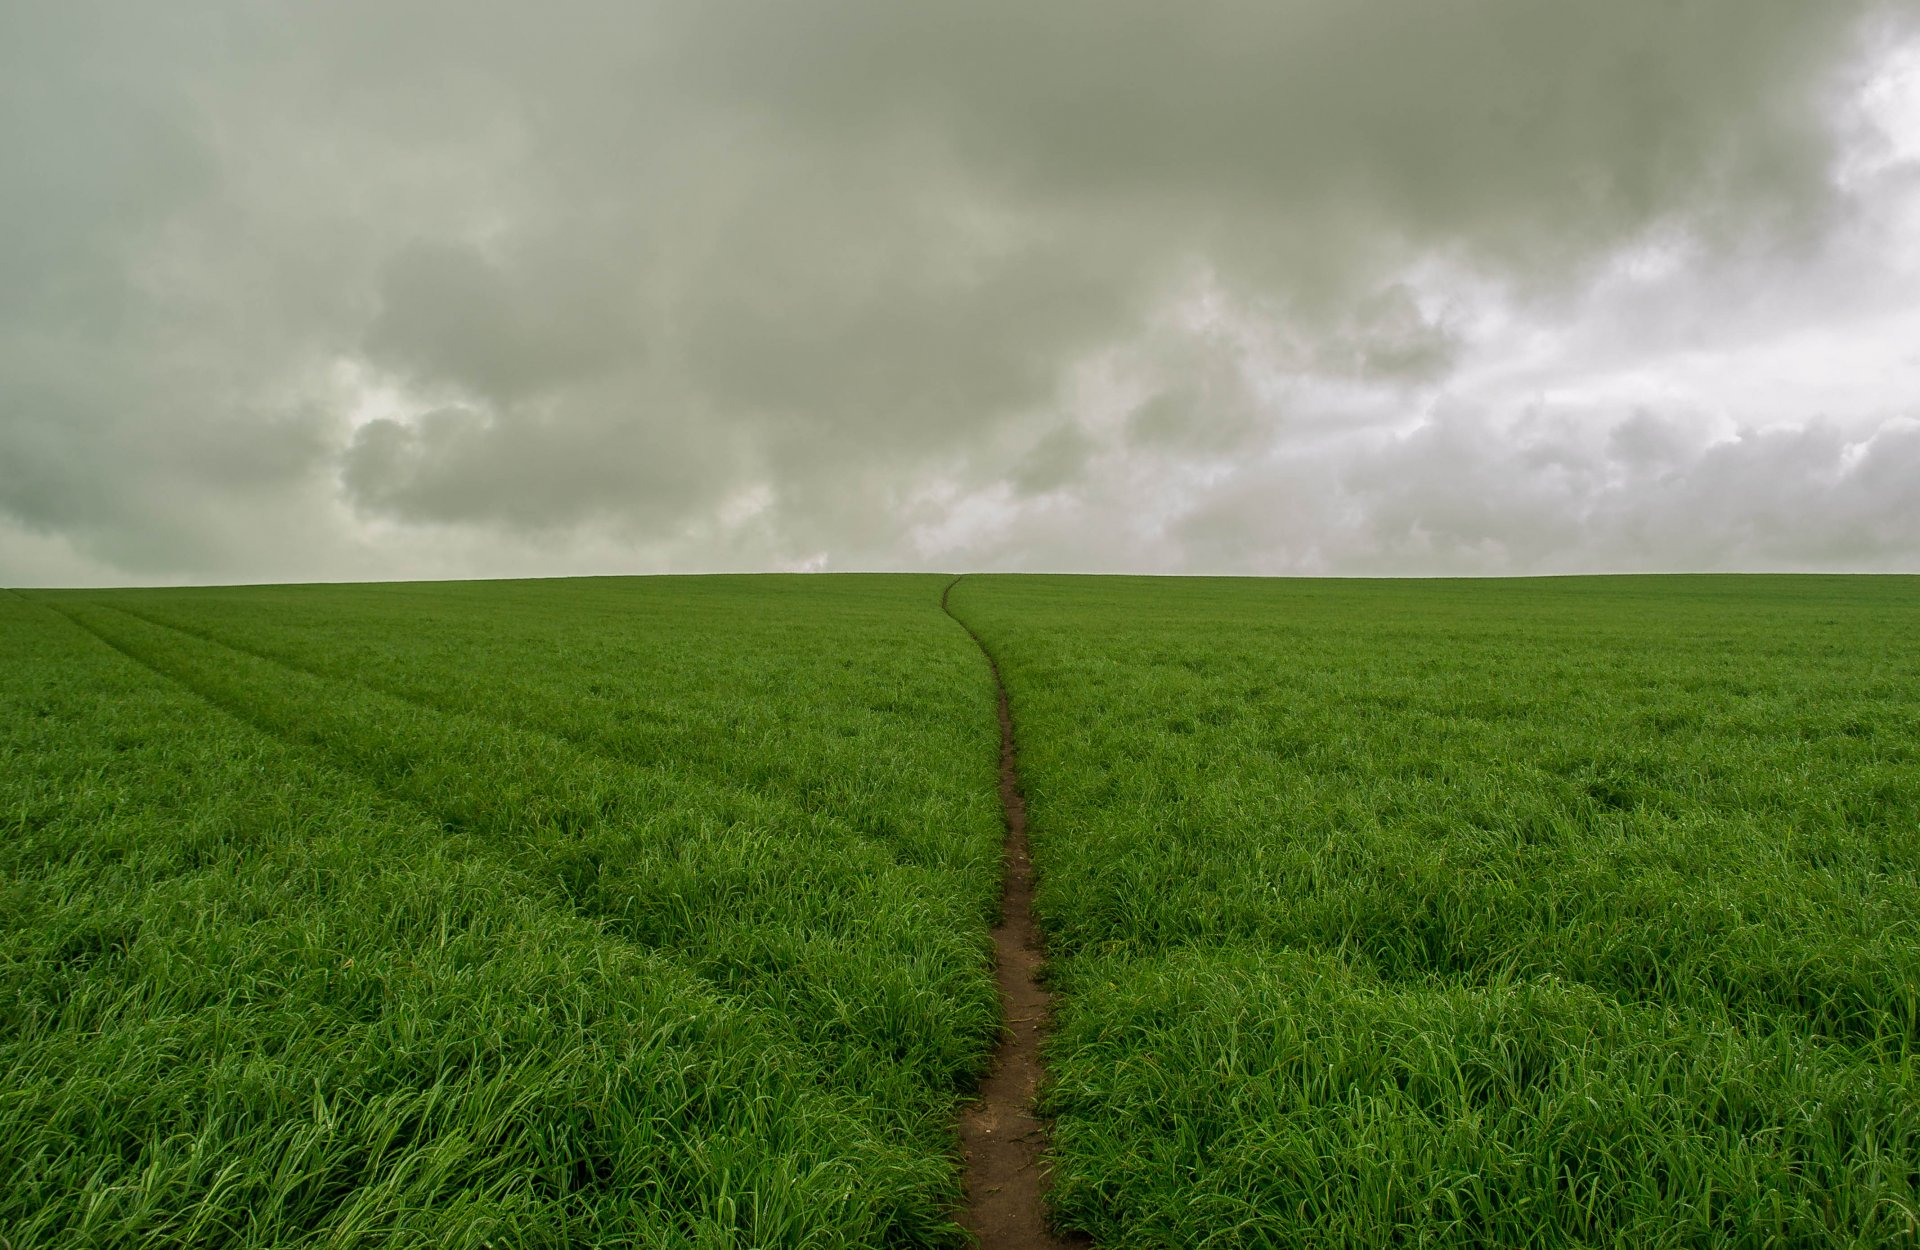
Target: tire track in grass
x,y
734,1137
1001,1139
559,741
387,690
250,720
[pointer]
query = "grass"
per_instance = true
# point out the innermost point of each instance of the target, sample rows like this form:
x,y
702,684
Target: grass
x,y
653,912
641,912
1551,913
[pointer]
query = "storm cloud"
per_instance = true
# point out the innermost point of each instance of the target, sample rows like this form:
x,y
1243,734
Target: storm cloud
x,y
1485,286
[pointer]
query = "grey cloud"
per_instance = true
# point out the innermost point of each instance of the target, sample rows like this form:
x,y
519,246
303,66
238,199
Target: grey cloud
x,y
1056,461
1391,338
97,160
449,315
1299,144
1456,496
1644,442
765,283
1806,498
524,469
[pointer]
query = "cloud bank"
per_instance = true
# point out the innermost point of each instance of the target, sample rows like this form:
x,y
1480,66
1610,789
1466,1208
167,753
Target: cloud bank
x,y
1487,286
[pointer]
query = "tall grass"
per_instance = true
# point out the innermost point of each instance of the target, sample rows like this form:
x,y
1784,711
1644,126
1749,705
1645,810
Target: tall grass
x,y
652,912
1553,913
602,913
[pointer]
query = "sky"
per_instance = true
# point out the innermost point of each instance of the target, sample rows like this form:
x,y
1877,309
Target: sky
x,y
368,290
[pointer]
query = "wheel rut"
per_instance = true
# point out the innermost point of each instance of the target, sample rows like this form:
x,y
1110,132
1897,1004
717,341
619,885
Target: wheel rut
x,y
1001,1139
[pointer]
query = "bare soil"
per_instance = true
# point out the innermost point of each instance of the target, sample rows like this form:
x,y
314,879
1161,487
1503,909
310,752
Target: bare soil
x,y
1001,1140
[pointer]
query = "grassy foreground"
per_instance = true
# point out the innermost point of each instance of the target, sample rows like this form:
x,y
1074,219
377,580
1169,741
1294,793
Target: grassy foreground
x,y
652,912
1548,913
613,912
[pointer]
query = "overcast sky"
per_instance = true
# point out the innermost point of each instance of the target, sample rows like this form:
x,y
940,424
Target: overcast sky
x,y
371,290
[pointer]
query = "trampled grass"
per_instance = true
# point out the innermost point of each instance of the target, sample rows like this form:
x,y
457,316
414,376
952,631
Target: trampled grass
x,y
569,913
1550,913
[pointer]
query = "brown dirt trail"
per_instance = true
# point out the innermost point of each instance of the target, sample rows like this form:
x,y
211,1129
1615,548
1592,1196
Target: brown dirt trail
x,y
1001,1140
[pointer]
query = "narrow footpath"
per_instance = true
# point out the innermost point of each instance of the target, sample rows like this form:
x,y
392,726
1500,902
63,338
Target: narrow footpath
x,y
1001,1140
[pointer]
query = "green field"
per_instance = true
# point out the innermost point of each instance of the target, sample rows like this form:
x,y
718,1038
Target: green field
x,y
1563,912
654,911
638,912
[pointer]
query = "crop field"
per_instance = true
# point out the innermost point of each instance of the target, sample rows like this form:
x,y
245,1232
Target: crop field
x,y
1566,912
539,914
655,911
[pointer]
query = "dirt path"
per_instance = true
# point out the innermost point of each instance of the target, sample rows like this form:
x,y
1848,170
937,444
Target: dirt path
x,y
1000,1138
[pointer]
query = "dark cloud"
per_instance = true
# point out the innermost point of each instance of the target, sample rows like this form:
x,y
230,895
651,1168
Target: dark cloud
x,y
482,288
525,470
451,316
